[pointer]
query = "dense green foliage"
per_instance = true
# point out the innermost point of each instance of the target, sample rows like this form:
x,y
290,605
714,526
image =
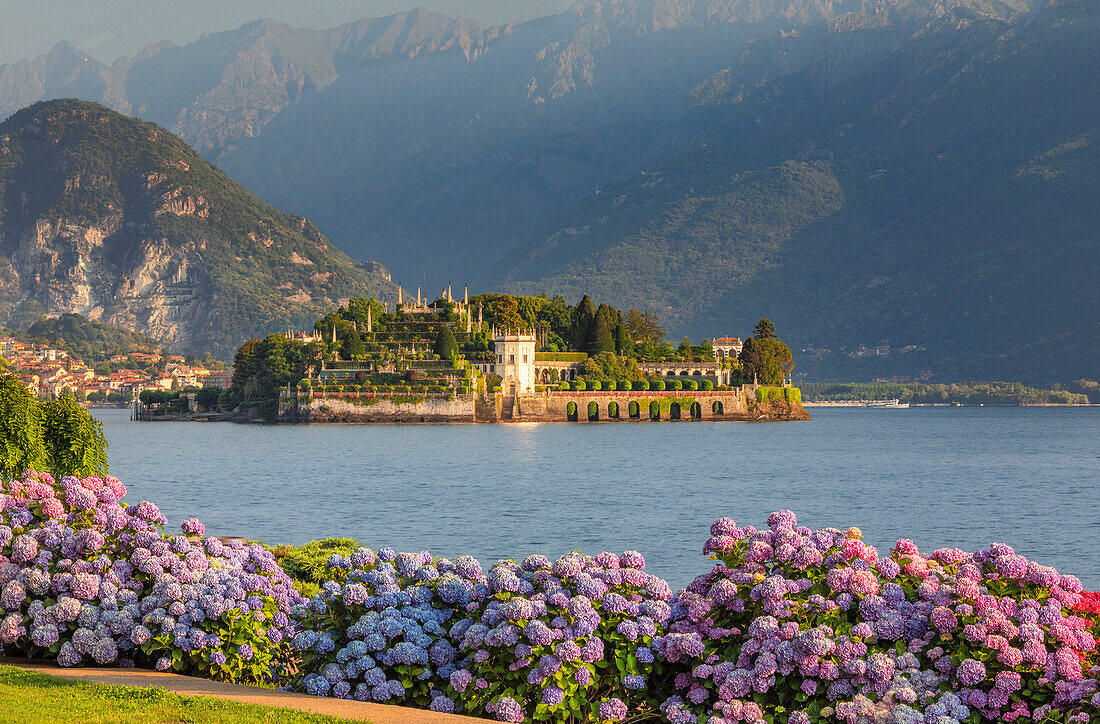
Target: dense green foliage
x,y
89,340
445,345
262,366
60,435
970,393
764,358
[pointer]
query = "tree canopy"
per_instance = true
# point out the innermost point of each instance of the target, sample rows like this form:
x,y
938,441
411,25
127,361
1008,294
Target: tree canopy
x,y
60,436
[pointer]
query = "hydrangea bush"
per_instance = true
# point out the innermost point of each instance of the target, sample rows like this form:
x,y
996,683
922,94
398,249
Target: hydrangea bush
x,y
563,641
84,578
798,625
378,630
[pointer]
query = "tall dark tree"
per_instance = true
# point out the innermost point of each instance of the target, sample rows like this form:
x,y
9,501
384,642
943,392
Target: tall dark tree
x,y
764,329
600,336
445,344
584,315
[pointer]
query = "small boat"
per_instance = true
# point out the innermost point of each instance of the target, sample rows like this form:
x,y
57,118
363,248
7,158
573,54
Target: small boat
x,y
886,403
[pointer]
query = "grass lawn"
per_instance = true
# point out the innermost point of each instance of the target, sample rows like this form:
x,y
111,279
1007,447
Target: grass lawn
x,y
31,698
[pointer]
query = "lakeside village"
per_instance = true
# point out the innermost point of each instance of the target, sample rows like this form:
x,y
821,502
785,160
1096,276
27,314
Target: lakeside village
x,y
50,372
496,358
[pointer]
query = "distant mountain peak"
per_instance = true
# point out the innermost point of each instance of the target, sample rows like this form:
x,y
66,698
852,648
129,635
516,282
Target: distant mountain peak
x,y
121,221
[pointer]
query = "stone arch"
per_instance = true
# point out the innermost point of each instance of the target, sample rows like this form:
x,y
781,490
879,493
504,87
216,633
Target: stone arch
x,y
593,411
613,410
634,410
683,373
572,374
697,373
670,373
654,410
674,411
696,411
571,412
718,408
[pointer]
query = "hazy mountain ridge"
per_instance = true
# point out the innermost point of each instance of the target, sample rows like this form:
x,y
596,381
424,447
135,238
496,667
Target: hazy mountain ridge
x,y
119,220
967,163
856,170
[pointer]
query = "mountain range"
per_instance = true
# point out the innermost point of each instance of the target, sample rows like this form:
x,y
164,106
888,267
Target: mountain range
x,y
119,220
907,187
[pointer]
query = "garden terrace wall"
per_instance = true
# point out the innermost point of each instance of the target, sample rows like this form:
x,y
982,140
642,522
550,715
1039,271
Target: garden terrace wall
x,y
424,408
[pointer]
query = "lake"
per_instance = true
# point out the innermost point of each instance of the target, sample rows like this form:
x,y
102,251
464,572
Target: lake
x,y
965,477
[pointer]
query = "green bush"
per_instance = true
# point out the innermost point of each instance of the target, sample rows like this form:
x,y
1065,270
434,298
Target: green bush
x,y
654,410
593,411
792,395
691,385
563,386
764,394
658,385
623,385
595,385
675,385
708,385
640,385
580,386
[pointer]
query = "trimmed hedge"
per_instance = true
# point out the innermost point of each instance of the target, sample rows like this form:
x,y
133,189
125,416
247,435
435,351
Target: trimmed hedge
x,y
595,385
658,385
707,385
675,385
623,385
579,385
640,385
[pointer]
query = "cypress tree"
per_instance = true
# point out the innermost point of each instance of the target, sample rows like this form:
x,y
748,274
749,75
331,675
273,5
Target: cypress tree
x,y
584,315
445,345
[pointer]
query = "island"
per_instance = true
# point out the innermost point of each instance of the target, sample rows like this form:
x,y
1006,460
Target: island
x,y
495,358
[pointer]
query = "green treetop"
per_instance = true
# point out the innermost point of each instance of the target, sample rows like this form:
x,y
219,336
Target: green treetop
x,y
445,345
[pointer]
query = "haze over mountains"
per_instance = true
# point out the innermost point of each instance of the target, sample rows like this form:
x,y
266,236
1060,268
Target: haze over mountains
x,y
915,177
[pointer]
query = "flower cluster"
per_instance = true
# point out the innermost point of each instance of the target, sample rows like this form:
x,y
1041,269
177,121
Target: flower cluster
x,y
564,640
818,625
378,630
86,578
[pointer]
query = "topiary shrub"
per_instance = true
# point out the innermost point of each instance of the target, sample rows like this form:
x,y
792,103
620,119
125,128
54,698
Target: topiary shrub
x,y
595,385
579,385
623,385
563,386
658,385
593,411
691,385
792,395
640,385
675,385
708,385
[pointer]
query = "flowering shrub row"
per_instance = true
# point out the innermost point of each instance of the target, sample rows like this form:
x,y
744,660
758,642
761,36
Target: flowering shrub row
x,y
86,579
790,625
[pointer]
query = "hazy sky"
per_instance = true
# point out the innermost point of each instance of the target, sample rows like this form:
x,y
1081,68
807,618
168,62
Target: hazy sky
x,y
107,29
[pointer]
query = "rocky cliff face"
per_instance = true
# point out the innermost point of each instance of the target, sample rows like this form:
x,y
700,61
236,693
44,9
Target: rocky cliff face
x,y
120,221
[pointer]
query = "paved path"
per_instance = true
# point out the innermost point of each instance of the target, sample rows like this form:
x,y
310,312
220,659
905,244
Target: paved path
x,y
192,686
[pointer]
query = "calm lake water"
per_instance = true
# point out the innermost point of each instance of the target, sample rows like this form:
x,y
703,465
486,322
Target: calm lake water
x,y
966,477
